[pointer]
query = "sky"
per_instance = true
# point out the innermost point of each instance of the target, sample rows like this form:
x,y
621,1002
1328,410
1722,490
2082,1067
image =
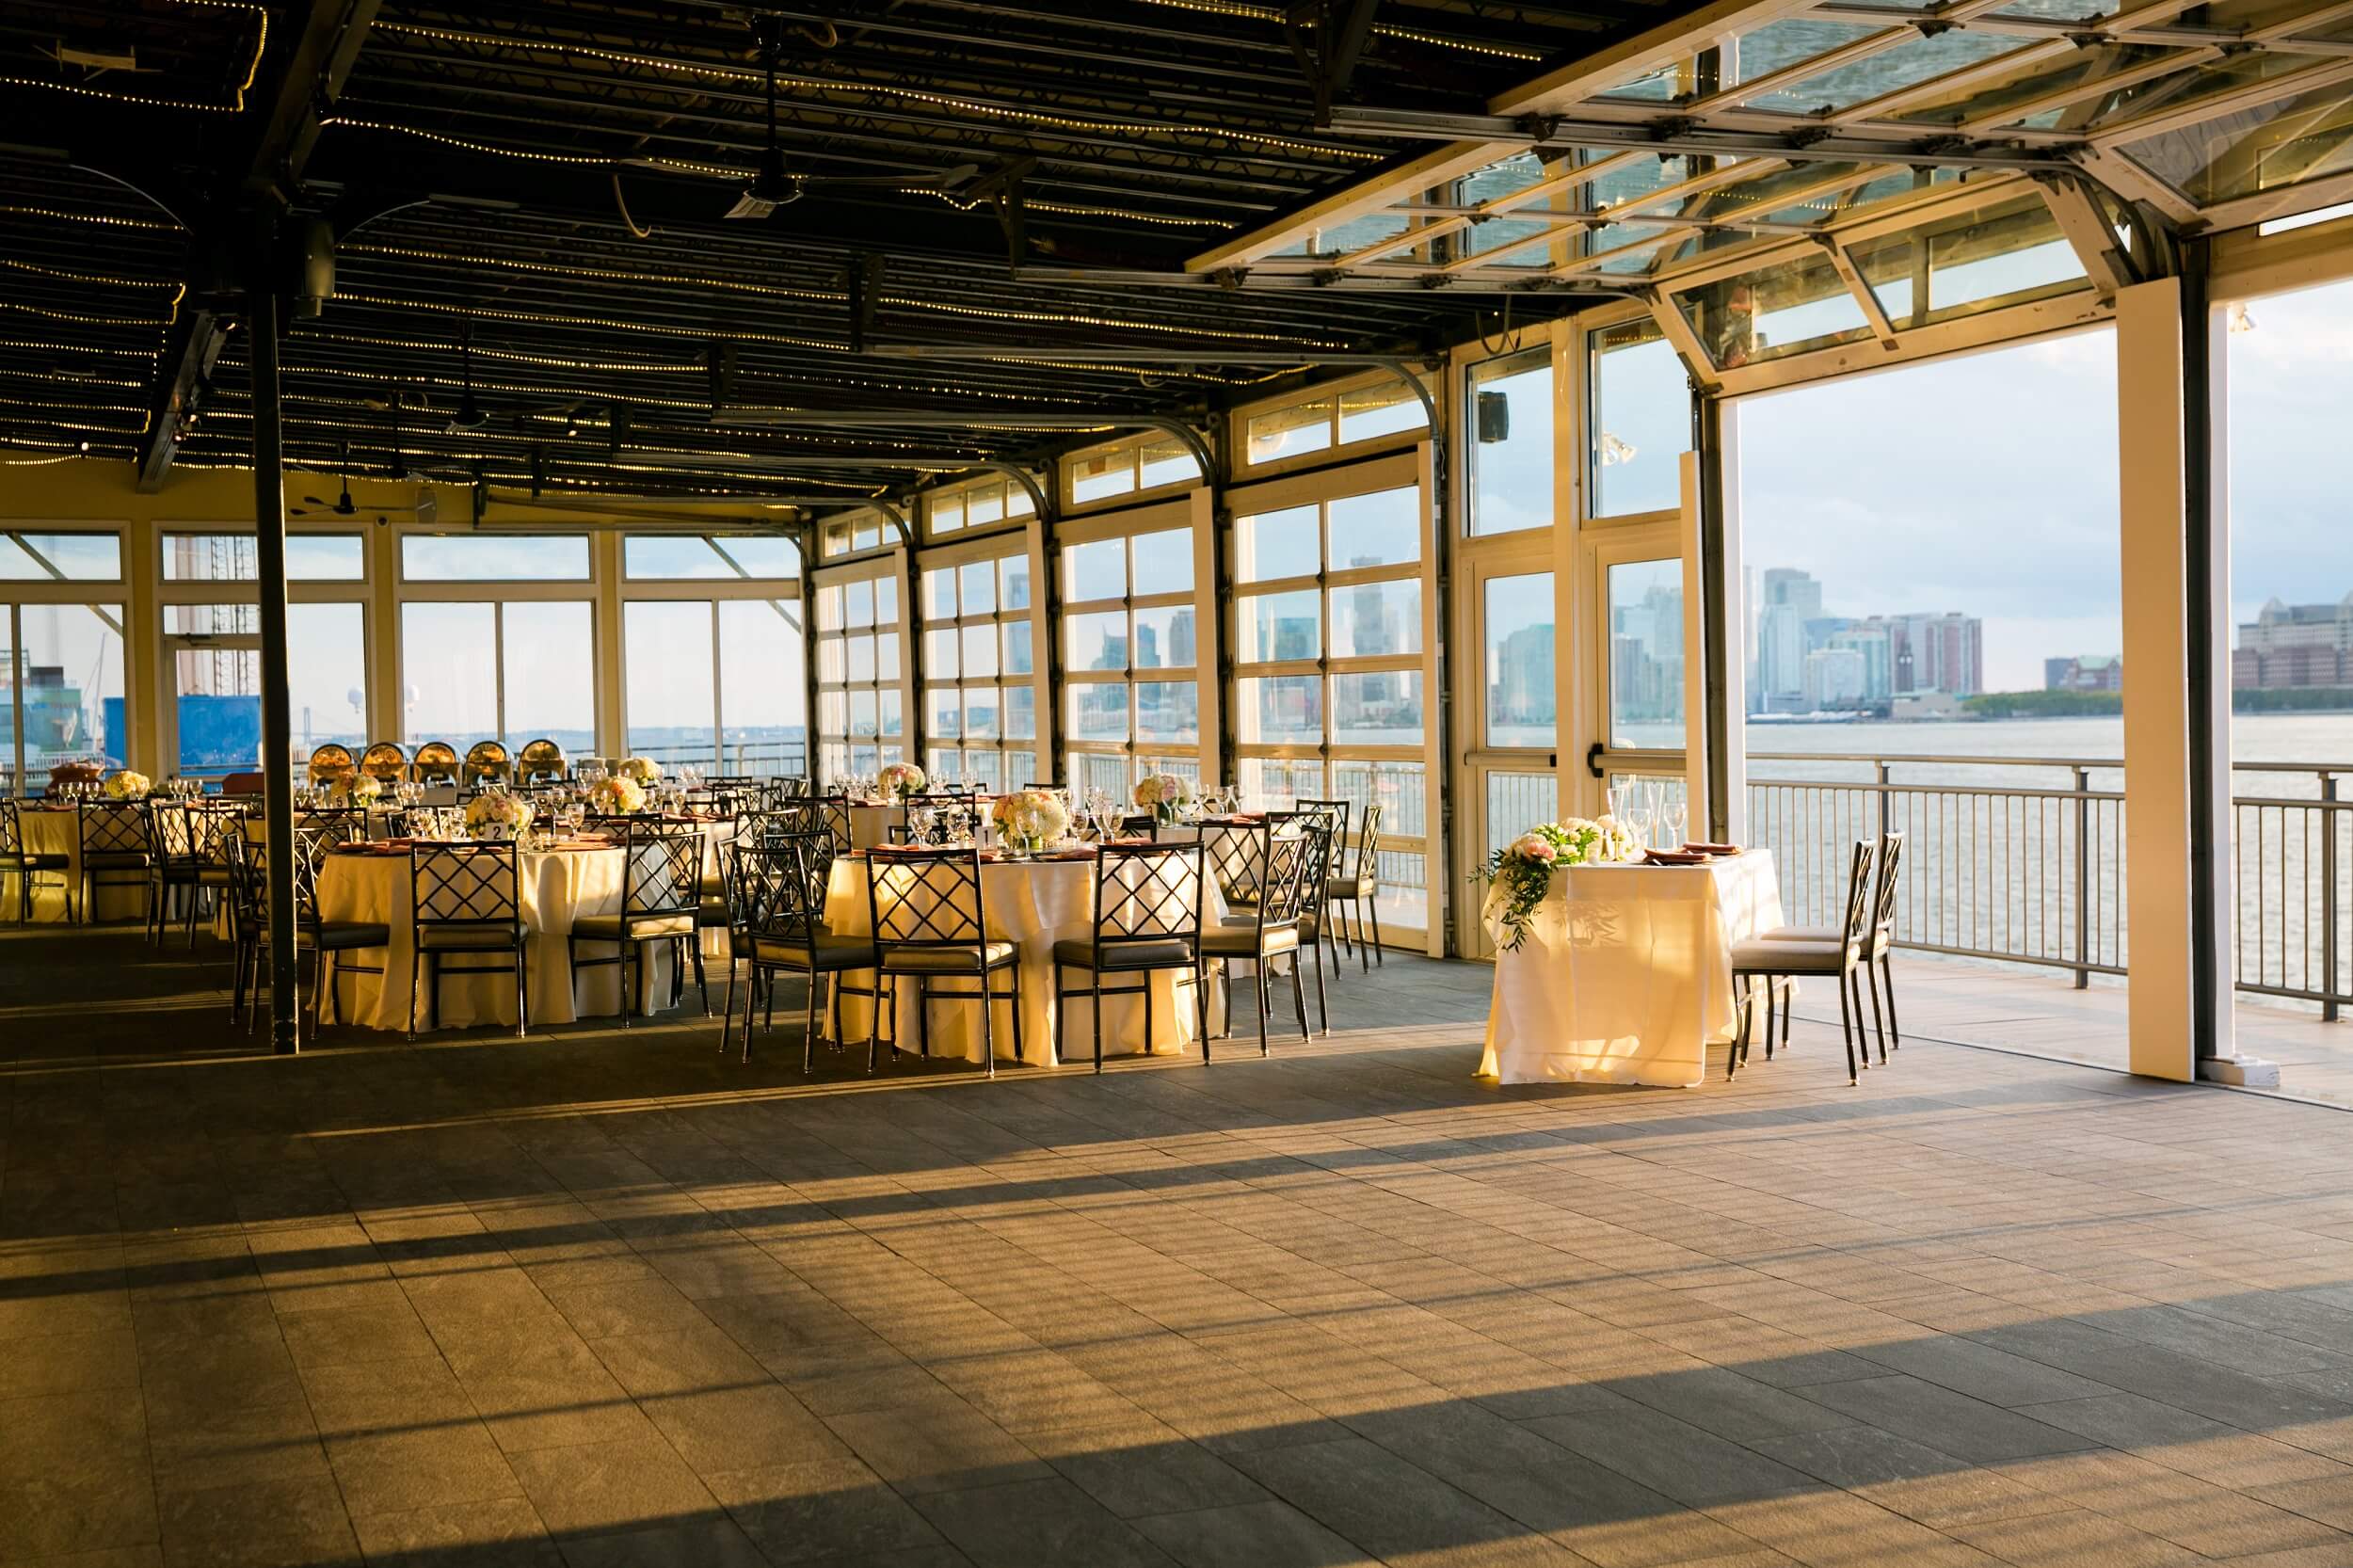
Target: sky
x,y
1987,483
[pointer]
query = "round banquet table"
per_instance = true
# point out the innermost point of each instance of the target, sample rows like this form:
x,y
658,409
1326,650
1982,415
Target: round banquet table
x,y
1033,904
557,886
872,824
50,830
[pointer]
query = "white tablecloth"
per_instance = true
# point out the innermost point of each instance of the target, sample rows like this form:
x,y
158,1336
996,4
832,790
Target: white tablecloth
x,y
48,832
557,886
1626,974
1034,904
872,824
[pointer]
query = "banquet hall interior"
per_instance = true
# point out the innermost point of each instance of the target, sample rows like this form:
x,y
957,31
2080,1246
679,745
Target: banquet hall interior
x,y
1248,784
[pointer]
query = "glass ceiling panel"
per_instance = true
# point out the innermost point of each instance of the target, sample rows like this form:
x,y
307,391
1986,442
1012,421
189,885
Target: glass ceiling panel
x,y
1787,42
2266,147
1612,237
2007,252
1357,232
1635,180
2059,10
2183,89
1761,316
1906,65
2081,67
1515,174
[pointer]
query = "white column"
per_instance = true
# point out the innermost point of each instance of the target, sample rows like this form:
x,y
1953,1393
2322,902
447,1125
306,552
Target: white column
x,y
2159,785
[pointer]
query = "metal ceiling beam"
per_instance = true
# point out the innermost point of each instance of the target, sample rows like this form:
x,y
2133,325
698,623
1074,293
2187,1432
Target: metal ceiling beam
x,y
308,81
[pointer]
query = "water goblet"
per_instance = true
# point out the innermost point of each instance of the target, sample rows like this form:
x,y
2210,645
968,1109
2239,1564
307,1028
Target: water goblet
x,y
1678,817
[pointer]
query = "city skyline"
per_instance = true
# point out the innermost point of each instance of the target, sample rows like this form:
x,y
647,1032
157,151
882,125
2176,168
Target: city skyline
x,y
1801,659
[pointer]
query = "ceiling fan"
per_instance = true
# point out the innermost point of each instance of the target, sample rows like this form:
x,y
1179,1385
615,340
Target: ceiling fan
x,y
425,506
772,187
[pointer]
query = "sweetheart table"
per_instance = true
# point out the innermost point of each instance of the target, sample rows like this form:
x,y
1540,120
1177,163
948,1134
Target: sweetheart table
x,y
1626,973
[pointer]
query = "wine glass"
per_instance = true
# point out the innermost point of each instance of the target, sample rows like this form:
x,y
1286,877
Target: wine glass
x,y
1678,818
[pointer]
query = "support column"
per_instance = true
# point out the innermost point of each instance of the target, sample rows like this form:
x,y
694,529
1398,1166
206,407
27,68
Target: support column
x,y
2174,565
269,541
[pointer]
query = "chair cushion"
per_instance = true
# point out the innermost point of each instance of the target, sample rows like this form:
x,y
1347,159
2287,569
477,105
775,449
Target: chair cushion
x,y
334,934
713,910
1349,887
114,859
477,935
1241,941
1078,953
611,928
831,953
1780,953
44,862
969,959
1879,941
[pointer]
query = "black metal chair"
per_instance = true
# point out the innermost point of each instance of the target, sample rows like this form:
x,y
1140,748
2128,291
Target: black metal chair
x,y
928,923
1322,826
211,824
15,857
833,814
661,898
172,865
1271,867
779,903
327,941
1356,881
1147,918
1777,957
117,851
466,899
1879,966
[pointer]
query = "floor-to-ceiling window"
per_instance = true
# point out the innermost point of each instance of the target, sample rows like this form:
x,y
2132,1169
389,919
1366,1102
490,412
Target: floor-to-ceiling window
x,y
861,715
1132,651
61,614
481,656
979,663
713,668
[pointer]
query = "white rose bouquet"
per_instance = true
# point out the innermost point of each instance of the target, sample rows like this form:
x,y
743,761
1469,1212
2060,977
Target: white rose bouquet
x,y
1520,874
497,815
126,785
354,789
1164,794
1029,818
644,770
901,779
617,797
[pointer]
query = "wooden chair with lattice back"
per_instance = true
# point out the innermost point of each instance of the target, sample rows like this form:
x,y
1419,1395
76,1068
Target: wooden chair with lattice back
x,y
466,901
117,851
661,895
327,941
778,897
22,861
1274,867
1147,919
1355,887
930,923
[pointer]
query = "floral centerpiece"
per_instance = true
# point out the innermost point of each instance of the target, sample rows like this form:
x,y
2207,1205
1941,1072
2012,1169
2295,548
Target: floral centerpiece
x,y
1028,819
1164,794
496,814
126,785
617,797
899,781
642,770
354,789
1520,874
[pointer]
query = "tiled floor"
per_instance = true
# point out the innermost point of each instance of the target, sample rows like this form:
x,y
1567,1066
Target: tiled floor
x,y
1969,1002
602,1298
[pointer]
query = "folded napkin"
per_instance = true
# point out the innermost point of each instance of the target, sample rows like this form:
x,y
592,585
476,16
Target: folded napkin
x,y
1697,846
1674,858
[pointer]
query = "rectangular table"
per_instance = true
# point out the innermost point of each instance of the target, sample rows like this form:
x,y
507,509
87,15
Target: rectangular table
x,y
1626,973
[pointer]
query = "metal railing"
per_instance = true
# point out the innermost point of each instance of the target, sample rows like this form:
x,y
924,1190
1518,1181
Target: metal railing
x,y
2022,859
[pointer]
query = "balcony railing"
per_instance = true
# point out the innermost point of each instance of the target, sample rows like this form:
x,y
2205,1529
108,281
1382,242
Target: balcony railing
x,y
2022,859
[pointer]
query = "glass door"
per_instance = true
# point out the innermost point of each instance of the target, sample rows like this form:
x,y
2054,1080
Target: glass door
x,y
1639,668
212,703
1510,778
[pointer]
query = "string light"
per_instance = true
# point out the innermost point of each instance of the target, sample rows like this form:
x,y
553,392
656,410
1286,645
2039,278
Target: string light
x,y
83,318
1383,29
545,318
110,219
178,288
607,273
466,144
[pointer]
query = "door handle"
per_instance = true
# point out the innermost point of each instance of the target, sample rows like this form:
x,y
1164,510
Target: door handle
x,y
1592,759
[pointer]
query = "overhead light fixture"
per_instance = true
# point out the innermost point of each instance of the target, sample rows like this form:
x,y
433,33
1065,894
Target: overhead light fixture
x,y
1614,451
469,415
2241,320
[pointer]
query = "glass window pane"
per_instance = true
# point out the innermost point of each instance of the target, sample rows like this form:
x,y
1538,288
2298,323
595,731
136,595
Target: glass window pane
x,y
862,711
984,769
1096,641
1380,409
1165,638
1093,771
651,556
551,686
1781,309
671,702
1020,713
886,712
763,691
1383,529
829,607
979,579
861,650
1163,562
72,692
1020,767
494,557
947,513
1013,583
1168,461
1168,711
1273,626
1017,656
1103,473
230,558
1276,782
448,657
76,557
1279,710
1518,672
980,650
885,601
1379,708
1375,619
858,603
327,680
1293,432
1646,655
886,656
985,504
940,593
1518,802
1099,712
1270,545
980,713
1511,420
1641,420
830,661
939,653
1092,572
833,712
943,712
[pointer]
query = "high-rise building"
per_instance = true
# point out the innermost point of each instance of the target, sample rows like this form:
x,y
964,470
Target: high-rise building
x,y
2295,645
1833,678
2088,672
1873,646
